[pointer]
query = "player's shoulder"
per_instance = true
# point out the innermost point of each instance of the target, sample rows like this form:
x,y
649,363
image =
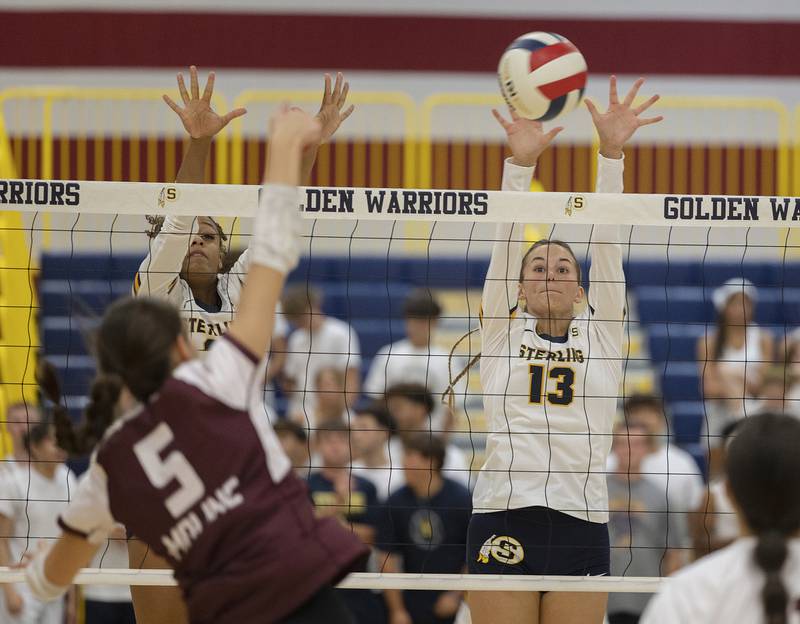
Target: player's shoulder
x,y
712,570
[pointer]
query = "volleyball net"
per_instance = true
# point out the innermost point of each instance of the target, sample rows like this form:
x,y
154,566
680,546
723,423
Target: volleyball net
x,y
368,251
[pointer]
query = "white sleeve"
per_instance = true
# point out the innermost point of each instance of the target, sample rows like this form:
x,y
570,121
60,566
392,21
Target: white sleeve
x,y
229,372
241,266
352,349
606,278
501,287
665,608
159,271
375,383
9,492
88,513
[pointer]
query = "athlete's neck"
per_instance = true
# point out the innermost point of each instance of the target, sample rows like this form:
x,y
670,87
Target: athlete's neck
x,y
205,293
428,488
553,327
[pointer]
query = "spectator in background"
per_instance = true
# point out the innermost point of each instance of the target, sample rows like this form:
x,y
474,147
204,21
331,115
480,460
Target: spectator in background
x,y
644,532
294,440
732,360
331,404
318,342
778,392
20,417
339,493
715,525
110,604
410,406
671,469
424,530
415,359
32,496
371,430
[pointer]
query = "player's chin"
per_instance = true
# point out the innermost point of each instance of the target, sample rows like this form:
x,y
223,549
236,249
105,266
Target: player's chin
x,y
552,304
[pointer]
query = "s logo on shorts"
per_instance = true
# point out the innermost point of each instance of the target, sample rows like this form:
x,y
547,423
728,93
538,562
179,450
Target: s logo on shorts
x,y
504,549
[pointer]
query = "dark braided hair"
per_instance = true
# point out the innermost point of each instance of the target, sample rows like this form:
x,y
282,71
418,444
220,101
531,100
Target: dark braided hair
x,y
763,469
133,349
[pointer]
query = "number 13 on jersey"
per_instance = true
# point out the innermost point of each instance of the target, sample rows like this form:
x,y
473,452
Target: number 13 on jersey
x,y
564,391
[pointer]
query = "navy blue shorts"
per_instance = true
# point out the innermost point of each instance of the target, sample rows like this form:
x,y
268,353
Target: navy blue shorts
x,y
536,540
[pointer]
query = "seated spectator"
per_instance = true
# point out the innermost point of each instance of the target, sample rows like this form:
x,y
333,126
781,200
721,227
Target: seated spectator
x,y
777,392
669,467
425,531
410,406
732,360
32,496
370,433
337,492
318,342
644,532
415,359
330,405
294,440
20,417
715,525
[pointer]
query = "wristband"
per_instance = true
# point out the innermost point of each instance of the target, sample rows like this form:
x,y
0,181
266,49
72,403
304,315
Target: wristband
x,y
277,228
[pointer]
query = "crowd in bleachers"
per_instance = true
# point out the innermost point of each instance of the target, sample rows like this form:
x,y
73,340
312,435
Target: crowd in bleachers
x,y
361,418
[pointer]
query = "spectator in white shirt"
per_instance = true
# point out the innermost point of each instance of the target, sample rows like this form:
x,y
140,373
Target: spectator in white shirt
x,y
668,466
318,342
415,359
370,433
410,406
32,496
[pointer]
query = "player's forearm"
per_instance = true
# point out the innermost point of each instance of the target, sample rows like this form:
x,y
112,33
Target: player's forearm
x,y
307,165
193,166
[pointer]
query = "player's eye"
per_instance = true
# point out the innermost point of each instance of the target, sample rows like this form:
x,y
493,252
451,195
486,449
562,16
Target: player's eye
x,y
208,237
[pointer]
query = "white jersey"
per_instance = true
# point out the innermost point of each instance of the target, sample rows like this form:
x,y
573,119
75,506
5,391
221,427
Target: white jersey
x,y
402,362
551,403
159,276
33,503
334,345
723,587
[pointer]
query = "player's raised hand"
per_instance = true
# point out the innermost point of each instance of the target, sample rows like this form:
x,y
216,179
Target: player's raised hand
x,y
621,120
197,116
526,138
291,125
332,112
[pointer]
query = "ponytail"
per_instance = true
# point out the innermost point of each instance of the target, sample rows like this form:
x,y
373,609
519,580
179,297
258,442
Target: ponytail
x,y
80,441
763,471
770,555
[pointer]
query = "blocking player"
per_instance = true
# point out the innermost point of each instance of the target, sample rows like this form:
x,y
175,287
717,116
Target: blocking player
x,y
183,456
550,379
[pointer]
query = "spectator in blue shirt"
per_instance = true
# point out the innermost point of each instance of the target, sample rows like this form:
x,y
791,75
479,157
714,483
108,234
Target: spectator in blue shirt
x,y
424,529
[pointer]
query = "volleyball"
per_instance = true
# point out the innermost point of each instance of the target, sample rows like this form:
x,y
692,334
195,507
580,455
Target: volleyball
x,y
542,76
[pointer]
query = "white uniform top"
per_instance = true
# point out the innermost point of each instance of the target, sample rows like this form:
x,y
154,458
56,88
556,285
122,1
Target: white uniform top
x,y
34,503
742,364
548,445
726,525
158,276
334,345
723,587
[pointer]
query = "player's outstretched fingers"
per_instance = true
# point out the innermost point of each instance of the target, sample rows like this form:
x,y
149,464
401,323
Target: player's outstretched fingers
x,y
500,119
209,90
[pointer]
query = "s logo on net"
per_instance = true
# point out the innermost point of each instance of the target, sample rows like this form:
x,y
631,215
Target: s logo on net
x,y
574,203
503,549
167,194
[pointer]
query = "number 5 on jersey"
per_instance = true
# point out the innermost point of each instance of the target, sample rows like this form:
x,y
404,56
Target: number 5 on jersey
x,y
565,378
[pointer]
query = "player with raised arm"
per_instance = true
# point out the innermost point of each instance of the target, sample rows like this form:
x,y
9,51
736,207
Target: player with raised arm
x,y
187,254
183,456
550,380
757,577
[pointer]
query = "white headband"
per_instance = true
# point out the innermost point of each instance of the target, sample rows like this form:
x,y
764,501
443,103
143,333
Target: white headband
x,y
733,287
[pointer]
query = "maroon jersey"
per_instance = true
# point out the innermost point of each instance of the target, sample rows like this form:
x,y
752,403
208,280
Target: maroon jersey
x,y
199,475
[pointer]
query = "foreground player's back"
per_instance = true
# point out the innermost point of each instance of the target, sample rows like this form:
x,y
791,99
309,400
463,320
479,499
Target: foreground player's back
x,y
202,479
724,587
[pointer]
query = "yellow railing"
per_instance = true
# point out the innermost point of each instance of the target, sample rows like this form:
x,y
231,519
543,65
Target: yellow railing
x,y
243,166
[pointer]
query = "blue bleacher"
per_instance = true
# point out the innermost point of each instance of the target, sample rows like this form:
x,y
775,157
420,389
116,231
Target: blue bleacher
x,y
673,302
